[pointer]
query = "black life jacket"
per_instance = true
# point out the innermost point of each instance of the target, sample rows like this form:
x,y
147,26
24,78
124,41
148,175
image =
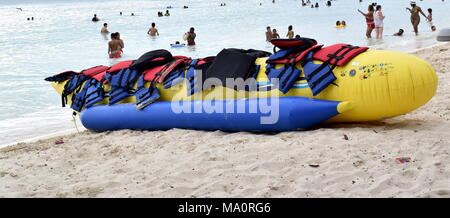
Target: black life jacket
x,y
237,64
152,59
202,64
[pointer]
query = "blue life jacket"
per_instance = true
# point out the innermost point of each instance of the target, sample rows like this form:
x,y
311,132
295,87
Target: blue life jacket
x,y
174,78
145,96
190,76
122,84
79,98
289,73
319,76
95,93
71,86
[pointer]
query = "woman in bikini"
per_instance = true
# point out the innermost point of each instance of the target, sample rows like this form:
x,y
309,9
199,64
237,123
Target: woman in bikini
x,y
369,21
415,17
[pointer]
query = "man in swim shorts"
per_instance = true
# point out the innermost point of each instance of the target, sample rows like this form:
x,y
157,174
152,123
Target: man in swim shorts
x,y
115,46
269,35
153,31
104,28
191,37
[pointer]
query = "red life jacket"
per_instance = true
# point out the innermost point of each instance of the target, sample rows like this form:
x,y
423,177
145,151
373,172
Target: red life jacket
x,y
91,72
291,43
119,66
338,54
319,76
158,73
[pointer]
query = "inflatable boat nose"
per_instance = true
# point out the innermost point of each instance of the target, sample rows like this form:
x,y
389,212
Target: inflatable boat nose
x,y
412,87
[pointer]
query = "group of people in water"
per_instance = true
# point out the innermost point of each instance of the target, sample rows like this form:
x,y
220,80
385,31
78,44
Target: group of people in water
x,y
160,13
316,5
116,45
375,19
273,34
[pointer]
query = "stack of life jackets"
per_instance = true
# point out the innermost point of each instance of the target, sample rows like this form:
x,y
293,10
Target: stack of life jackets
x,y
87,86
303,51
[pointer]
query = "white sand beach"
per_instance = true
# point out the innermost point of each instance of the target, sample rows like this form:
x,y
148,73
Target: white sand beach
x,y
338,160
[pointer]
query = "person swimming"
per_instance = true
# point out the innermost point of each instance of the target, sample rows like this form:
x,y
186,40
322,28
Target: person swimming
x,y
115,46
153,31
177,43
399,33
104,28
95,18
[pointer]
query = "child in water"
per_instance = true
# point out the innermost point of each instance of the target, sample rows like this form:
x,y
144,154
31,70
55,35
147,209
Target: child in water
x,y
399,33
177,43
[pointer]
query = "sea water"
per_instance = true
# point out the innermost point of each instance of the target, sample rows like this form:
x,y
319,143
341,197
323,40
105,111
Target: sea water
x,y
62,37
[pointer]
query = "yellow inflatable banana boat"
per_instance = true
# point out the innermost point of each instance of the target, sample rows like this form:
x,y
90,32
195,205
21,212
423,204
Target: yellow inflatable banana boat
x,y
310,83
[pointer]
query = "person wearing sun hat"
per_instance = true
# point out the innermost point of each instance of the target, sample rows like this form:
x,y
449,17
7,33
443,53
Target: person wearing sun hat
x,y
415,17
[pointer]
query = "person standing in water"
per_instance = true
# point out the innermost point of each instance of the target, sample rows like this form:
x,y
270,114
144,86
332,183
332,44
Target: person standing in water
x,y
104,28
290,34
153,31
269,34
115,46
275,35
378,19
415,17
191,37
369,21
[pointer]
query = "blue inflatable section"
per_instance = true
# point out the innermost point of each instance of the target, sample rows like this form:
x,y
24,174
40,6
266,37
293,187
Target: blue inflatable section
x,y
254,114
177,46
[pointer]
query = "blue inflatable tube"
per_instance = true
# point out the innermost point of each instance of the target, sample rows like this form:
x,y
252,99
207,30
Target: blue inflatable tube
x,y
177,46
254,114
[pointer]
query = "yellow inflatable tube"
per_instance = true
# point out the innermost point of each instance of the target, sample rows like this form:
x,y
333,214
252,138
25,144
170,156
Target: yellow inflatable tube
x,y
374,85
